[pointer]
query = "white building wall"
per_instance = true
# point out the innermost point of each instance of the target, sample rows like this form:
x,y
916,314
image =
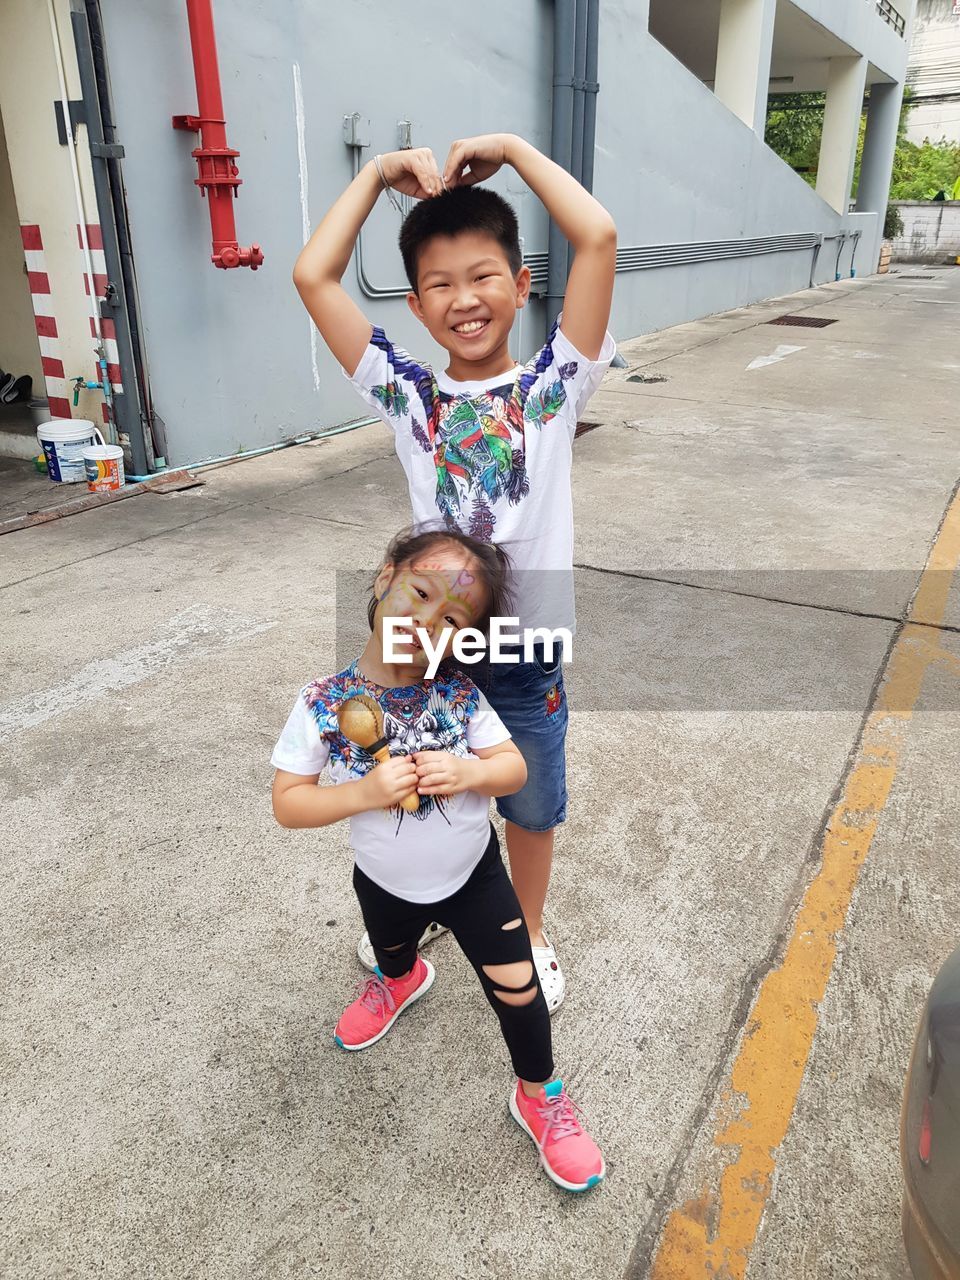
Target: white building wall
x,y
19,346
44,197
858,24
934,69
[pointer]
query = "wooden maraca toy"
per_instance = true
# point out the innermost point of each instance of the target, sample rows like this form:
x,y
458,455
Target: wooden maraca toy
x,y
361,721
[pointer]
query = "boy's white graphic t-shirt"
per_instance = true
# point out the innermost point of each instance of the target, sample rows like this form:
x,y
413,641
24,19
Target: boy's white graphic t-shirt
x,y
423,856
493,458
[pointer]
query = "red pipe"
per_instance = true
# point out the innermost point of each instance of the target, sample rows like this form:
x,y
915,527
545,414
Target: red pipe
x,y
219,175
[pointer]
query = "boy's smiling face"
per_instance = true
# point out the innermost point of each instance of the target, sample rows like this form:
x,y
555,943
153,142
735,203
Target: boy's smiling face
x,y
467,296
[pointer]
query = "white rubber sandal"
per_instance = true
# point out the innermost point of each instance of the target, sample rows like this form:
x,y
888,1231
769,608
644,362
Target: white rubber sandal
x,y
369,960
552,981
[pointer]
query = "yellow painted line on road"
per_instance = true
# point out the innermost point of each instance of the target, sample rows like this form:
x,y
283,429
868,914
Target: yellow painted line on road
x,y
712,1234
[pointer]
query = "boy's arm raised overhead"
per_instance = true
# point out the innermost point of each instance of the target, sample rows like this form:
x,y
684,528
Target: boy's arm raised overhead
x,y
581,218
319,269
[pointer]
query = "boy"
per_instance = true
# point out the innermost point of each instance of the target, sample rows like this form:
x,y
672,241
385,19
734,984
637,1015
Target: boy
x,y
487,445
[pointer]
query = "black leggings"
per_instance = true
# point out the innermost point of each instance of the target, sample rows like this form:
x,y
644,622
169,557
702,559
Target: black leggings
x,y
476,914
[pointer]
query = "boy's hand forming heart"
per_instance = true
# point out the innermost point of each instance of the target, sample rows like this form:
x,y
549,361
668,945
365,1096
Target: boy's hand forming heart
x,y
475,159
413,172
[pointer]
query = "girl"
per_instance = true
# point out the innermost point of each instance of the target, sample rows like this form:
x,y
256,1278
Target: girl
x,y
441,861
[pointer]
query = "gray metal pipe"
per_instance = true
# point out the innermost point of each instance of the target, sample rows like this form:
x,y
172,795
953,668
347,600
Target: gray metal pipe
x,y
561,143
153,424
590,90
126,404
579,77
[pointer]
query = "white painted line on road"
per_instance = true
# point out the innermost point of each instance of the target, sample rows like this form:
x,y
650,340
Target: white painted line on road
x,y
781,353
193,633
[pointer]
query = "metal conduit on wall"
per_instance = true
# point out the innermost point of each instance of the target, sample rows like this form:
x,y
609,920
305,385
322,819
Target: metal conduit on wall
x,y
645,257
152,422
576,26
591,88
561,143
127,408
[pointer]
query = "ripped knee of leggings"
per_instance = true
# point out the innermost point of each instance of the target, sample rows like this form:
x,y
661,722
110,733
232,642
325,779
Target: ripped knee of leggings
x,y
513,984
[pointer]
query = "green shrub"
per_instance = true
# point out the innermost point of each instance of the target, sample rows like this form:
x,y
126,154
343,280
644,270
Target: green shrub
x,y
892,223
921,172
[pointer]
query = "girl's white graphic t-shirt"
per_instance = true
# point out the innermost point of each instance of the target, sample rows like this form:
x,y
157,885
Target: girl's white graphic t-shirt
x,y
494,457
423,856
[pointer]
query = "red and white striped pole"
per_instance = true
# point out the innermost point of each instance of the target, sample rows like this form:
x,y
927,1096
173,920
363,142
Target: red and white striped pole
x,y
48,334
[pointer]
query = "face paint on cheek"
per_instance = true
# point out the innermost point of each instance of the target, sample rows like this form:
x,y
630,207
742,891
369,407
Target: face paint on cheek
x,y
398,600
471,596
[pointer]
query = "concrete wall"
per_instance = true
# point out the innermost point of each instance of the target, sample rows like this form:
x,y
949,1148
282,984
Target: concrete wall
x,y
931,231
857,23
19,349
934,68
706,177
231,353
807,33
42,182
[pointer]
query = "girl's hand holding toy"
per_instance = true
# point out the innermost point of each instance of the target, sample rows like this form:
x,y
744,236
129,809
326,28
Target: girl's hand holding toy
x,y
361,721
441,774
393,782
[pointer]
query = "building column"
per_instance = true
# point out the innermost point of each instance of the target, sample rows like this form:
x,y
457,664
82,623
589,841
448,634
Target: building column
x,y
744,48
841,128
879,144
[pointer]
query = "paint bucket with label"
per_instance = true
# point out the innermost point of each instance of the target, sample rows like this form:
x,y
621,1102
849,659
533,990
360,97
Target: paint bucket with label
x,y
63,441
104,467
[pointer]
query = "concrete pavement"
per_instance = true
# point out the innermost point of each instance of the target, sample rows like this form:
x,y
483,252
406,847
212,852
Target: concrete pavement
x,y
751,540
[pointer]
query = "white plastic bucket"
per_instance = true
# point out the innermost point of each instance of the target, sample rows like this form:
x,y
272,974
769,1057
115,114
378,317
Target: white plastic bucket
x,y
63,441
103,464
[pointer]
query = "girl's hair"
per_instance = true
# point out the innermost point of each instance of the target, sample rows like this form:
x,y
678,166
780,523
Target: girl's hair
x,y
493,564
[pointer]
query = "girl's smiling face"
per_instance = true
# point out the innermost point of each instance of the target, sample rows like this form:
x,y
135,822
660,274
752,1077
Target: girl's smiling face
x,y
440,589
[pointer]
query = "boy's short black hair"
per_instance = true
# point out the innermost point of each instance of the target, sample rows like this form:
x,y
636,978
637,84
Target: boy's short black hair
x,y
456,211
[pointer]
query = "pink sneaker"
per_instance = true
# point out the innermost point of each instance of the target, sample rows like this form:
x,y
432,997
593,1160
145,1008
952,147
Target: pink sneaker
x,y
379,1004
567,1152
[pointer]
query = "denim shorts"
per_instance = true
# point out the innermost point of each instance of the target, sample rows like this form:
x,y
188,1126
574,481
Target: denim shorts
x,y
530,699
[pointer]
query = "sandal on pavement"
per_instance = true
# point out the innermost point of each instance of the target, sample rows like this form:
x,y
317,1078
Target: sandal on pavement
x,y
551,977
369,960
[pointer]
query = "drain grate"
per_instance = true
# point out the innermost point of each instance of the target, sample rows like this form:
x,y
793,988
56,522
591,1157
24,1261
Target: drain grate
x,y
905,277
584,427
803,322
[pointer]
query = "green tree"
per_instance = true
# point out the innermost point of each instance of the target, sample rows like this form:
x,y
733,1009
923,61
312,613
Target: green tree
x,y
795,126
793,130
921,172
